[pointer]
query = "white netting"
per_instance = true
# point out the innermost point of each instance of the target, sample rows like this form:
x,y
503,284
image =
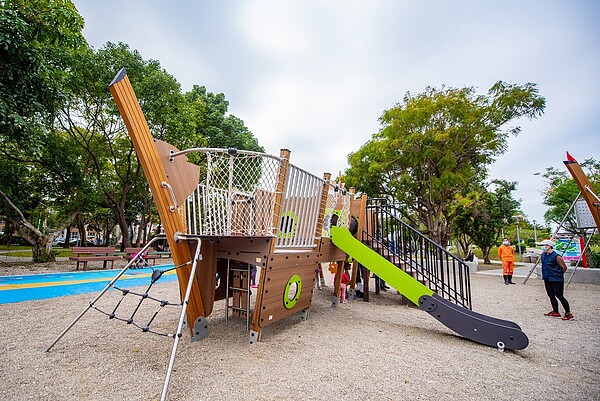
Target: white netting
x,y
337,211
236,195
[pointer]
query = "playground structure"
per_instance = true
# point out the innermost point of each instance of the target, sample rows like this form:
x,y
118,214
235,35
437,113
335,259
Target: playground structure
x,y
587,212
238,208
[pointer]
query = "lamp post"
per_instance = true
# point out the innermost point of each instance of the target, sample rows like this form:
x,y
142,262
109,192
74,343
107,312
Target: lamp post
x,y
518,237
534,232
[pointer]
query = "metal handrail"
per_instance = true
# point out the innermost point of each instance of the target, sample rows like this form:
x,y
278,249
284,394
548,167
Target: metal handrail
x,y
415,253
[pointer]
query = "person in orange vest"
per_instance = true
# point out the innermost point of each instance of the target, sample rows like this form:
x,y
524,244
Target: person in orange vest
x,y
507,256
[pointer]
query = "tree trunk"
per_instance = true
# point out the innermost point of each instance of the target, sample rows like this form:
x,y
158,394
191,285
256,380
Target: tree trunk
x,y
42,250
122,222
463,245
67,237
40,246
81,229
486,255
589,258
140,231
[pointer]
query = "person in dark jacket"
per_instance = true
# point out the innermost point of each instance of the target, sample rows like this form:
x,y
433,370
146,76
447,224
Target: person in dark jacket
x,y
554,281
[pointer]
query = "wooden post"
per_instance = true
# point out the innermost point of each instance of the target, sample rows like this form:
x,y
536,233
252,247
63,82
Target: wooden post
x,y
284,154
585,187
322,206
154,171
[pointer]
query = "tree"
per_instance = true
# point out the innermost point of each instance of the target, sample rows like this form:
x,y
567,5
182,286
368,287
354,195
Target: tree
x,y
61,133
481,218
215,126
91,120
435,146
38,42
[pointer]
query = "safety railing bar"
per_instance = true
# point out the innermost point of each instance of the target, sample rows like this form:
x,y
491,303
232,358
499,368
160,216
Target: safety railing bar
x,y
451,277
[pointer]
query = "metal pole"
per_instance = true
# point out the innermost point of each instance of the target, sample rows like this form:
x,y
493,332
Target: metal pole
x,y
519,239
184,304
534,232
587,243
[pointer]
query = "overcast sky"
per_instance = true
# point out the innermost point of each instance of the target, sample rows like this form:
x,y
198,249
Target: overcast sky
x,y
315,76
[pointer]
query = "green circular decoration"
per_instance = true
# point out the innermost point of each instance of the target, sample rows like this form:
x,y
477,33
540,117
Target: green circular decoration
x,y
289,297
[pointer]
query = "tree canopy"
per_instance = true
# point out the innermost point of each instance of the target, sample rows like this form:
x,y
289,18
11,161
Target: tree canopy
x,y
435,147
481,217
61,136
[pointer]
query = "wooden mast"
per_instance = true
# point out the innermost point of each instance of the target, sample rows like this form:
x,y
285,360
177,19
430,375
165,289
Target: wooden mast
x,y
584,186
154,171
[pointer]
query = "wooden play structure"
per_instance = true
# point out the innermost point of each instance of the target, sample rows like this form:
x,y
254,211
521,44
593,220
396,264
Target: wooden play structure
x,y
236,209
246,208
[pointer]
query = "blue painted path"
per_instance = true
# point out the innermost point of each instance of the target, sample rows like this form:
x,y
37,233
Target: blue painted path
x,y
43,286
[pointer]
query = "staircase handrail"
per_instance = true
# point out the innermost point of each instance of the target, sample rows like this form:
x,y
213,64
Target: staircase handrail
x,y
443,271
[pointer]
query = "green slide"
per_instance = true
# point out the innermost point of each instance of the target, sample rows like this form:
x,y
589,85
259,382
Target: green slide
x,y
475,326
383,268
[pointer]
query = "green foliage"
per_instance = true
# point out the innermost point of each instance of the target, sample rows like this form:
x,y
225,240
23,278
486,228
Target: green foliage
x,y
434,148
218,129
595,259
64,150
482,218
37,42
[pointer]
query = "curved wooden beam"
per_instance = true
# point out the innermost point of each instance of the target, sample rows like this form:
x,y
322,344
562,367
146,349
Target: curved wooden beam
x,y
584,186
154,171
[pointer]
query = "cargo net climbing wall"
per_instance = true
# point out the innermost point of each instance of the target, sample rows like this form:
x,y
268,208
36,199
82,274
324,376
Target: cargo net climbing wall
x,y
236,194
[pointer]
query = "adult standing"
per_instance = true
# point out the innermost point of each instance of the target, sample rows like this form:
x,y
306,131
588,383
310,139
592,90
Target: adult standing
x,y
553,268
507,256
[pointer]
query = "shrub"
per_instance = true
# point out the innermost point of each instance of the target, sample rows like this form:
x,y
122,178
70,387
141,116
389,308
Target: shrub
x,y
595,262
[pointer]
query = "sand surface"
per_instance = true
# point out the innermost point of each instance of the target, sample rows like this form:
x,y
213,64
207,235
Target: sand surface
x,y
379,350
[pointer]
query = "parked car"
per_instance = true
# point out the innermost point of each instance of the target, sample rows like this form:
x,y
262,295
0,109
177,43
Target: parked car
x,y
61,241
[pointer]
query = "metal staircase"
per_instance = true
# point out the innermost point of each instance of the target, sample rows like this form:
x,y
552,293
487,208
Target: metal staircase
x,y
416,254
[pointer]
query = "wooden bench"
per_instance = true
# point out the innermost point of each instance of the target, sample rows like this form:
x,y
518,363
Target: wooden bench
x,y
150,255
93,253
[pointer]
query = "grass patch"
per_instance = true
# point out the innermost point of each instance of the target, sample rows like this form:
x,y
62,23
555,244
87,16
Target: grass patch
x,y
14,247
26,252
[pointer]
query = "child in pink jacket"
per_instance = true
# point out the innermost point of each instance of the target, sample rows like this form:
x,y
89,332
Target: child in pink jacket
x,y
343,284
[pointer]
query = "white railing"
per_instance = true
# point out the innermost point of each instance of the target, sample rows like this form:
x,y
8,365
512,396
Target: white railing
x,y
237,196
299,209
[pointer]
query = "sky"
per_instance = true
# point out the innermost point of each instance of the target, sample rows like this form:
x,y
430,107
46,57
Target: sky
x,y
315,76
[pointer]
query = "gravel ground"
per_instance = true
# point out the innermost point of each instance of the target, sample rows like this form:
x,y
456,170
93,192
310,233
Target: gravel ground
x,y
379,350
